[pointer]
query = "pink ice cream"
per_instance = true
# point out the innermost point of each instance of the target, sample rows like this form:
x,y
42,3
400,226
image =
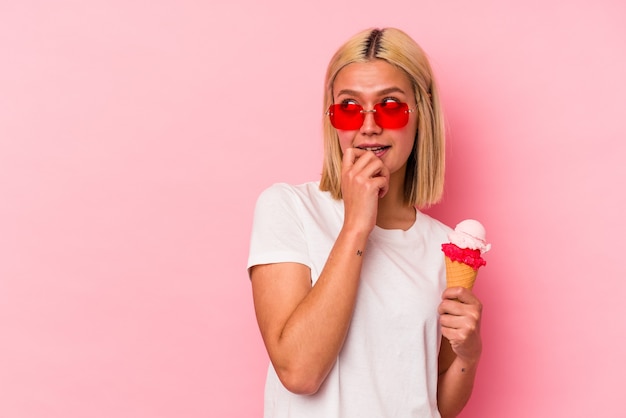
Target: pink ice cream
x,y
467,244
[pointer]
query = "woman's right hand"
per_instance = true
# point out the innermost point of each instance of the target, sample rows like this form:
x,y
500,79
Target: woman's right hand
x,y
364,179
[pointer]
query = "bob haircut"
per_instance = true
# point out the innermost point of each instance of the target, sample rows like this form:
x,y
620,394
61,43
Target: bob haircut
x,y
423,183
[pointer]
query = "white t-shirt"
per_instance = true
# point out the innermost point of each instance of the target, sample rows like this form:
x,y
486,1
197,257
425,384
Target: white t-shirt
x,y
388,364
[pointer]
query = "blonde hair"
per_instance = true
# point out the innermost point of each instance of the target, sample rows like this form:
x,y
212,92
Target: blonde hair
x,y
423,184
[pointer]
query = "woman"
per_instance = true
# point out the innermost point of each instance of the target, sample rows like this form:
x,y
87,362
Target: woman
x,y
348,276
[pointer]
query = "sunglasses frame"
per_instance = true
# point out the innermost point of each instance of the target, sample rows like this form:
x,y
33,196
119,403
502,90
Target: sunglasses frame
x,y
331,113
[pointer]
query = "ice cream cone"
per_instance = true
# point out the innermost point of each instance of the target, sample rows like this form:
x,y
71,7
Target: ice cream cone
x,y
460,274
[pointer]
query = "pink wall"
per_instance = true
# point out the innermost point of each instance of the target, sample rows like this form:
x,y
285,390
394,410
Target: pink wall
x,y
136,135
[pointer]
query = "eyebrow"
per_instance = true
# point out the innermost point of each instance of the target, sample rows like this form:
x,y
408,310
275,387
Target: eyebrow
x,y
380,93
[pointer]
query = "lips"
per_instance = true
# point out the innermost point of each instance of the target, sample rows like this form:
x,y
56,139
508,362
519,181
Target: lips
x,y
378,150
374,148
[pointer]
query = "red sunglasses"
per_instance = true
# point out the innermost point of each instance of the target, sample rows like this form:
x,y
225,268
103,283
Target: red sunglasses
x,y
388,115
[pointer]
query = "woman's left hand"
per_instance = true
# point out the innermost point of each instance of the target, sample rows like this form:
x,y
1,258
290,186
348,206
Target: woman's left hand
x,y
460,313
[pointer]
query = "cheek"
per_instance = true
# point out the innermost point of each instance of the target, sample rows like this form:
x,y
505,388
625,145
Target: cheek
x,y
408,133
406,143
345,139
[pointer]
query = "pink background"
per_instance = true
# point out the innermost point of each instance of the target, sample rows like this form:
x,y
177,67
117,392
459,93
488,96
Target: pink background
x,y
136,135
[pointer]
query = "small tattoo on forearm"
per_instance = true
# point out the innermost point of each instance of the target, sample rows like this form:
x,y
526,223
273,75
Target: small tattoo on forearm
x,y
359,253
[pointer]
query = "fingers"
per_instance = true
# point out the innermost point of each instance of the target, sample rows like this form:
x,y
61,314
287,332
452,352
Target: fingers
x,y
459,301
361,159
460,315
364,179
465,343
468,322
364,167
463,294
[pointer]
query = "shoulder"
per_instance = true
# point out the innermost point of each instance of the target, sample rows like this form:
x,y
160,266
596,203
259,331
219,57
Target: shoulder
x,y
282,189
434,226
276,191
292,193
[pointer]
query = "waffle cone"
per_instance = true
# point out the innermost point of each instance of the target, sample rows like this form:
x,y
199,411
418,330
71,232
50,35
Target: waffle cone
x,y
459,274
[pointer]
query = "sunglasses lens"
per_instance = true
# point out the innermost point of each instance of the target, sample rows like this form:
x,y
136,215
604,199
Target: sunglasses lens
x,y
391,115
346,116
388,115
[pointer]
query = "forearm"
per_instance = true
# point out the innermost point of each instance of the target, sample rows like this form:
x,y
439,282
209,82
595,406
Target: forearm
x,y
314,333
455,387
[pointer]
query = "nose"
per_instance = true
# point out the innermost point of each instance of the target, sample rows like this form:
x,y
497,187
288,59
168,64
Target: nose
x,y
369,126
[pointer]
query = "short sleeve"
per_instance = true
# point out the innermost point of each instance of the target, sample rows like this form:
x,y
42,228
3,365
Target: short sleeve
x,y
278,235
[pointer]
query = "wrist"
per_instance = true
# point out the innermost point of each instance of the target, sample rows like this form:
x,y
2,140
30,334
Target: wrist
x,y
466,364
355,232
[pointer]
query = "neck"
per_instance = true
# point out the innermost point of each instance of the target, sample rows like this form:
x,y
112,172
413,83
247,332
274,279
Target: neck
x,y
393,213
